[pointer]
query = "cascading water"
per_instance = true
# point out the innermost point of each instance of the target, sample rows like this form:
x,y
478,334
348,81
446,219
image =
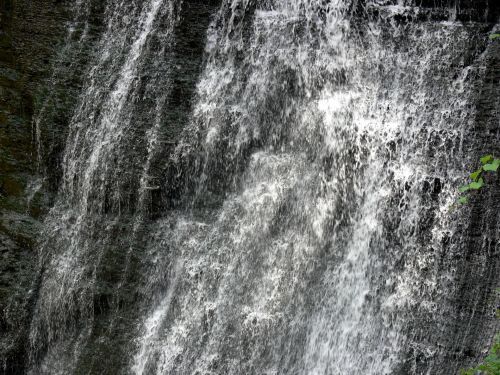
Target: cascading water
x,y
107,157
306,207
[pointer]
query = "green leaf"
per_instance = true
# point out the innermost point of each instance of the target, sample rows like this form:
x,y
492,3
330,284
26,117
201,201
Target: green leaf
x,y
476,185
493,166
494,36
464,188
486,159
474,176
463,200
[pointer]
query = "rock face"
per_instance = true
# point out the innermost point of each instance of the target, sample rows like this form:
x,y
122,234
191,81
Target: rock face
x,y
30,36
42,70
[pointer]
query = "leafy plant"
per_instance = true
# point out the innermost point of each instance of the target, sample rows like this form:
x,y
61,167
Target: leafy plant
x,y
494,36
491,364
488,164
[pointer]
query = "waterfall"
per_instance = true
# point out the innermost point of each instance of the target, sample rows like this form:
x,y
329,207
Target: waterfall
x,y
306,209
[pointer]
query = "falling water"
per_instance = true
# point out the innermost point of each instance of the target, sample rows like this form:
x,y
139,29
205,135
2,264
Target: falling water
x,y
100,168
306,202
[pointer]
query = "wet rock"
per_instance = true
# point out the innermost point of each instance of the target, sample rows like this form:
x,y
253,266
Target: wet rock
x,y
30,34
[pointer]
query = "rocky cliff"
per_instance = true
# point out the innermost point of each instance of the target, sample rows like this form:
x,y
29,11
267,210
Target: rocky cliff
x,y
31,36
